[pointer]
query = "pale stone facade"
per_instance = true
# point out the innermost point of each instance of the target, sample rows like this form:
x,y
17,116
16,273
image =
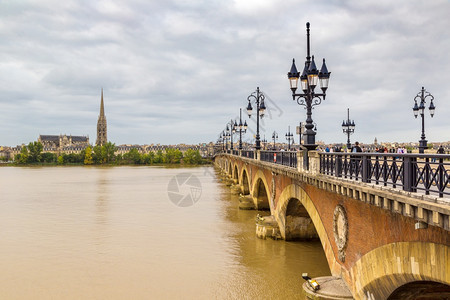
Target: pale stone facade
x,y
63,143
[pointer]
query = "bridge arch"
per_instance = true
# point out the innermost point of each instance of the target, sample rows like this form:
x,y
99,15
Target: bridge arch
x,y
298,224
421,290
230,168
293,193
260,191
235,173
405,266
244,181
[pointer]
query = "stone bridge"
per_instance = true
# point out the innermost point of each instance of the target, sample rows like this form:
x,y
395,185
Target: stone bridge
x,y
382,242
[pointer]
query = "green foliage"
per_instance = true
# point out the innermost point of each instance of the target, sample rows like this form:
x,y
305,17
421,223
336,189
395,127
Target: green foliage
x,y
35,152
430,146
97,156
72,158
108,152
133,157
105,155
159,157
22,157
192,157
48,157
149,158
172,156
88,160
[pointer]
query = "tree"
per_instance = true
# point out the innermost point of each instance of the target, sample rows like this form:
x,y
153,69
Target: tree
x,y
148,158
159,157
35,149
88,160
22,158
97,157
108,151
60,160
173,156
133,156
48,157
192,157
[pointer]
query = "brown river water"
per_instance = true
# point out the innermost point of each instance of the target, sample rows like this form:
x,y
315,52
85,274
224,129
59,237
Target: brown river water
x,y
124,233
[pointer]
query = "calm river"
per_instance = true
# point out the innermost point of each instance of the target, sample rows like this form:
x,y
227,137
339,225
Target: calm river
x,y
114,233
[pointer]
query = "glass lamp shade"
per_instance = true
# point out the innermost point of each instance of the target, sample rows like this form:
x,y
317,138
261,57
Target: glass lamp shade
x,y
245,125
249,109
304,78
416,110
313,74
324,76
422,108
293,76
352,125
262,109
432,108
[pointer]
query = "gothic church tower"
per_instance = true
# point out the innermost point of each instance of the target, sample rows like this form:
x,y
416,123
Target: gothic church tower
x,y
101,126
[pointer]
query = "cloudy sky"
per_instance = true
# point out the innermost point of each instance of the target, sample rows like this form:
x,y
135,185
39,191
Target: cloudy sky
x,y
176,71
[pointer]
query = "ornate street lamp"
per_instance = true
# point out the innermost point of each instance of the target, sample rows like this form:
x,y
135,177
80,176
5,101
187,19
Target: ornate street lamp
x,y
222,138
289,137
274,138
230,131
241,128
299,131
348,127
258,97
422,96
264,141
308,80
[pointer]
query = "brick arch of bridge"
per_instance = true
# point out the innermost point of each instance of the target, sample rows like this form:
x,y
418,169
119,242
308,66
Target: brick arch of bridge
x,y
294,192
244,179
394,265
260,192
235,175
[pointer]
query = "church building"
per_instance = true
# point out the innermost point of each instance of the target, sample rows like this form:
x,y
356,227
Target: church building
x,y
101,126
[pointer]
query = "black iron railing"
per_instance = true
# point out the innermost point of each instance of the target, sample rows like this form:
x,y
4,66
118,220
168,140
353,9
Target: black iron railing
x,y
428,173
248,153
285,158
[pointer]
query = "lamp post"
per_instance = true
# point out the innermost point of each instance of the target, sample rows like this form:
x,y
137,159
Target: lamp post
x,y
258,97
348,128
422,96
309,79
222,139
274,137
299,131
230,131
264,141
289,137
241,128
227,136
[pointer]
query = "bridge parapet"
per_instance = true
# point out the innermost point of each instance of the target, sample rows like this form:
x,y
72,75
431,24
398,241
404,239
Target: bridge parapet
x,y
425,209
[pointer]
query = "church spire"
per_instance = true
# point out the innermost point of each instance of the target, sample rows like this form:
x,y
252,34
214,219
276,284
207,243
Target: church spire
x,y
102,107
101,125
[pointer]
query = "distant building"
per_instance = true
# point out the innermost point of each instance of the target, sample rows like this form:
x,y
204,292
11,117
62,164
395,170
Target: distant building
x,y
60,143
101,126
